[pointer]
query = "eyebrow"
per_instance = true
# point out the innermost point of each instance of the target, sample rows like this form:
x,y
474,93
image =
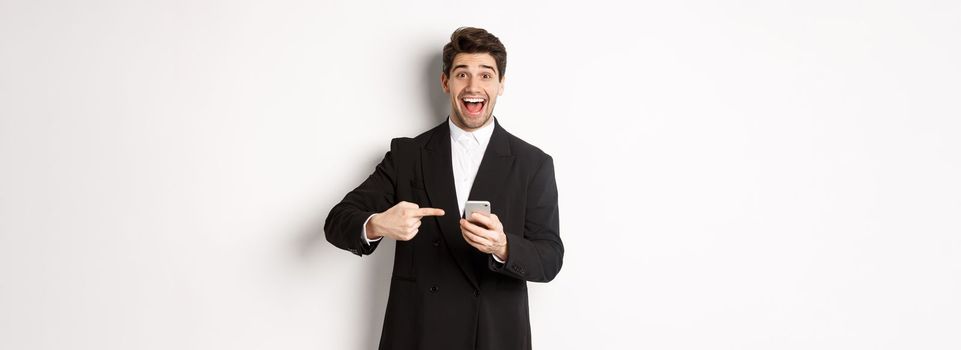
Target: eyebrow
x,y
482,66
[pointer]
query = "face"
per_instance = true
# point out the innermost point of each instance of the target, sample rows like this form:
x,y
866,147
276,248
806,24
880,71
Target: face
x,y
473,86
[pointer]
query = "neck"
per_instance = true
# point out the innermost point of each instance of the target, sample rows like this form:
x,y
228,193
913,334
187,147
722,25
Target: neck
x,y
465,128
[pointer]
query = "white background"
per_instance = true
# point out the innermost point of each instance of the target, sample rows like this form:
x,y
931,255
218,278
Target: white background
x,y
732,175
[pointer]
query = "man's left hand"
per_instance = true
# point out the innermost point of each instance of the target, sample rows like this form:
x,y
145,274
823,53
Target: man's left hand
x,y
486,233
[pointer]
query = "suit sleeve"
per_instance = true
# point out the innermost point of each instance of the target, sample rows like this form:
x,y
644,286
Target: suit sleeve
x,y
538,254
346,220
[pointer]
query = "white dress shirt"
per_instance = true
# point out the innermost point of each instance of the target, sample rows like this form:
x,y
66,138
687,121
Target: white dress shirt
x,y
466,152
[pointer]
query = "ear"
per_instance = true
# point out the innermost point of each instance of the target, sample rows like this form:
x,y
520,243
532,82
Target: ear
x,y
443,83
500,86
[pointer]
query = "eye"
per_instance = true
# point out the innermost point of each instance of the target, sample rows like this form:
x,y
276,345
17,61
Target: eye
x,y
461,75
487,76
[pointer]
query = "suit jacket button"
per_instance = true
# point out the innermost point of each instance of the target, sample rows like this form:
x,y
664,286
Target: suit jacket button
x,y
476,293
433,289
437,243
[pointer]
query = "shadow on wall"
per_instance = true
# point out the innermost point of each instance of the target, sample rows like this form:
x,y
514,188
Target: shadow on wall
x,y
438,102
311,248
377,266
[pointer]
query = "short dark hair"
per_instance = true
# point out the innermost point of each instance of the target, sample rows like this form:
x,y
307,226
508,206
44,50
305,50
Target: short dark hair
x,y
475,40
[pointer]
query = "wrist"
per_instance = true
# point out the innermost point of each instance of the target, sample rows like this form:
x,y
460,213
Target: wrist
x,y
501,254
371,228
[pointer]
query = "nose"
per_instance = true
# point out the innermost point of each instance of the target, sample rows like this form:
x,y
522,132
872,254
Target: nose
x,y
473,85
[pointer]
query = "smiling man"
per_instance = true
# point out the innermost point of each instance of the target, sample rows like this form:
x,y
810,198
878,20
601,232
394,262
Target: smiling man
x,y
459,283
473,85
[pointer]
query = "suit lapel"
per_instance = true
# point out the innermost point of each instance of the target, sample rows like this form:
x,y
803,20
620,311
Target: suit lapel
x,y
439,183
494,168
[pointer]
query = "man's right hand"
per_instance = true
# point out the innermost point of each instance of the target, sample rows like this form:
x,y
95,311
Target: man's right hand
x,y
400,222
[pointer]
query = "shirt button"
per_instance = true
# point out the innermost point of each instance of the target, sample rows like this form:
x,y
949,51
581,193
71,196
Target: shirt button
x,y
433,289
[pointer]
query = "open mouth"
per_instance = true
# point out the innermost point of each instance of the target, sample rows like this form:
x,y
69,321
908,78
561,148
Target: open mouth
x,y
473,105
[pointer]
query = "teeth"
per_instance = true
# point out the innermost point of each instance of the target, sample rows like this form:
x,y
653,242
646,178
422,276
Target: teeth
x,y
473,100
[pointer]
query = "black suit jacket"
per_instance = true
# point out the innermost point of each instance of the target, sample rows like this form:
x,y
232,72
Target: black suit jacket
x,y
444,294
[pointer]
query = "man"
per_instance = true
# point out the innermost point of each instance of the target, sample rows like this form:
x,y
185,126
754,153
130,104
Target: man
x,y
459,283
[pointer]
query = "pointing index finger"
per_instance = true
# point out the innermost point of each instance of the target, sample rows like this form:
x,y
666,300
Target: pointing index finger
x,y
428,212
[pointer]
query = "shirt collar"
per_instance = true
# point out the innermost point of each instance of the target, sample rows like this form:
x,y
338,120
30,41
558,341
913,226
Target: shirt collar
x,y
482,135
